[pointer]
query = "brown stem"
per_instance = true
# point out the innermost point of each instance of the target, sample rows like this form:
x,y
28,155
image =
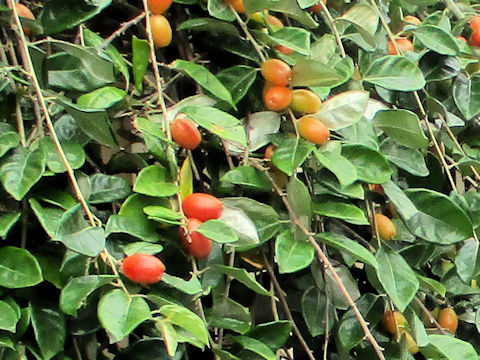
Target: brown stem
x,y
123,27
429,315
331,22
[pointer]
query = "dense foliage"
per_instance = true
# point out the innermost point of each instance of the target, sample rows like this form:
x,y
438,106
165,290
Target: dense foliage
x,y
350,233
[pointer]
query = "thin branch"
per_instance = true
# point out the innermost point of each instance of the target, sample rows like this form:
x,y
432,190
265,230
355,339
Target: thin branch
x,y
429,315
281,296
20,126
123,27
331,22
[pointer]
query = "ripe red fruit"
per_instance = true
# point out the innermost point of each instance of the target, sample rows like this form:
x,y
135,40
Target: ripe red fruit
x,y
199,246
158,7
185,133
448,319
283,49
317,8
202,206
143,268
277,98
462,38
277,72
402,43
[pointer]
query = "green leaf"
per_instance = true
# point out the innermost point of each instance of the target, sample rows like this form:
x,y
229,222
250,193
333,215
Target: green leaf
x,y
238,80
217,231
466,93
75,293
140,58
102,98
450,348
190,287
186,319
288,7
343,169
205,79
48,217
432,285
7,221
142,247
396,277
395,73
292,255
185,181
21,170
439,219
249,177
404,206
229,315
9,138
344,109
371,166
77,234
244,277
219,9
18,268
213,26
218,122
73,151
315,309
403,127
273,334
159,213
294,38
437,39
348,246
107,188
9,318
299,199
58,15
308,72
155,181
50,329
120,313
337,208
410,160
256,347
467,260
291,154
365,21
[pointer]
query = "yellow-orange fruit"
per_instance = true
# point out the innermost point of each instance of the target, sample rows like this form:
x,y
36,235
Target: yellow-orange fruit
x,y
277,98
402,43
158,7
411,344
237,5
448,319
161,30
269,151
277,72
313,130
305,101
412,20
386,228
394,322
274,22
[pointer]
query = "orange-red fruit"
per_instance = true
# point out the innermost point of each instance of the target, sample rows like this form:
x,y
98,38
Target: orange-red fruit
x,y
462,38
158,7
277,72
283,49
199,246
202,206
143,268
475,26
313,130
237,5
317,8
412,20
269,151
394,322
25,12
274,21
161,30
277,98
448,319
377,188
305,101
386,228
402,43
185,133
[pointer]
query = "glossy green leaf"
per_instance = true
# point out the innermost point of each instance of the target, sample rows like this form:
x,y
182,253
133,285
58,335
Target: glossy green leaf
x,y
403,127
439,219
73,151
217,122
186,319
343,169
437,39
344,109
466,93
75,293
248,177
154,181
410,160
404,206
120,313
395,73
217,231
289,7
50,329
450,348
142,247
292,255
9,318
21,170
107,188
315,309
220,10
7,221
365,21
244,277
467,261
230,315
19,268
213,26
169,335
58,15
256,347
102,98
336,208
9,138
300,201
371,165
291,154
238,80
274,334
190,287
348,246
309,72
428,284
205,79
47,216
294,38
396,277
140,59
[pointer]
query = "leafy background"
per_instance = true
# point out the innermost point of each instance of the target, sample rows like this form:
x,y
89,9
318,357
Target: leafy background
x,y
89,175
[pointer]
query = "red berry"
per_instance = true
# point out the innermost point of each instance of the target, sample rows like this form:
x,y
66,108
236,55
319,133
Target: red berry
x,y
143,268
185,133
202,206
199,246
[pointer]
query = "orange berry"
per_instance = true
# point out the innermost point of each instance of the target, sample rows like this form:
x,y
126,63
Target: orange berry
x,y
185,133
161,30
283,49
305,101
277,98
274,22
386,228
25,12
394,322
402,43
277,72
313,130
269,151
237,5
158,7
448,319
412,20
